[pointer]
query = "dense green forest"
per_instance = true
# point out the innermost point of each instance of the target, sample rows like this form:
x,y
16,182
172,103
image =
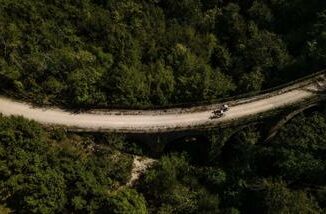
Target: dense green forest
x,y
232,171
87,53
240,173
136,53
55,172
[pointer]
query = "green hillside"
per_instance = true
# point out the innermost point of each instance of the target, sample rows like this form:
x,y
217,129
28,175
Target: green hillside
x,y
89,53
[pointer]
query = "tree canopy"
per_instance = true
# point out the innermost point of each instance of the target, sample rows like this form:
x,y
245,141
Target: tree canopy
x,y
91,53
54,172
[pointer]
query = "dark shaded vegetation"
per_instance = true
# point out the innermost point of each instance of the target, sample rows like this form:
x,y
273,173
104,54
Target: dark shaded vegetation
x,y
56,172
242,174
229,171
89,53
197,148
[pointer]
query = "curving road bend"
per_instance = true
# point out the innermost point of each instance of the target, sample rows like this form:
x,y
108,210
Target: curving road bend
x,y
158,121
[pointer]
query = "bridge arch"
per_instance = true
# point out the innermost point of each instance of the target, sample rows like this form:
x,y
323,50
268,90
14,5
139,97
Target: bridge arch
x,y
285,119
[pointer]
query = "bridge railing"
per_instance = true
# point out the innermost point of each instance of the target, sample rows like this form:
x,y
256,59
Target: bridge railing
x,y
232,99
241,98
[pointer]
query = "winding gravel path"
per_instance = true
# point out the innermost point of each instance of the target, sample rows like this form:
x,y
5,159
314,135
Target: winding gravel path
x,y
158,121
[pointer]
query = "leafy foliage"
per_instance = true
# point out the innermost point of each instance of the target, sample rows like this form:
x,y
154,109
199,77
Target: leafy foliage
x,y
243,175
137,53
44,172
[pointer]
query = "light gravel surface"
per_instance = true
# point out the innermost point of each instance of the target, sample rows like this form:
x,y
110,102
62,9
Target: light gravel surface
x,y
133,121
139,167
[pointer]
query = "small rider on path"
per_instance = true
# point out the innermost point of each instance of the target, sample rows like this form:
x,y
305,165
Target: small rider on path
x,y
219,112
225,107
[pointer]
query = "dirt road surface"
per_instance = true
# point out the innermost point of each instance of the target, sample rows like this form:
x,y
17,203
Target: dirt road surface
x,y
135,121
